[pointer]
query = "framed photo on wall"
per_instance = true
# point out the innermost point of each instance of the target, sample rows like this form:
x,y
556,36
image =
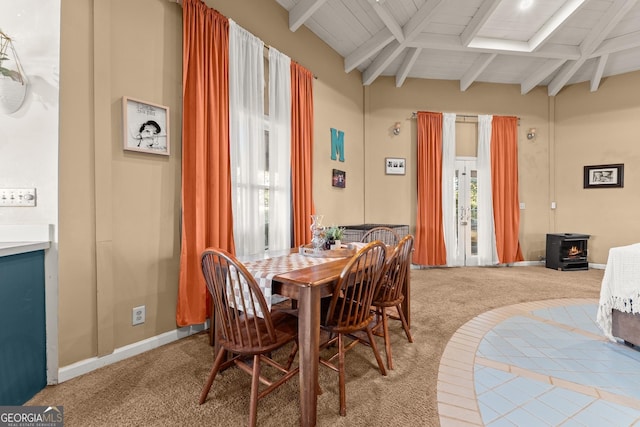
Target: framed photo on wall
x,y
604,176
145,126
394,165
339,178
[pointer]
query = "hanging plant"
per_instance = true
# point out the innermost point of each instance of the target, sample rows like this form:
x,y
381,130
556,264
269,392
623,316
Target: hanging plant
x,y
13,81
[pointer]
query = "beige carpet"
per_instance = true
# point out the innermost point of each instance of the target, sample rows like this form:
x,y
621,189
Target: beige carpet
x,y
161,387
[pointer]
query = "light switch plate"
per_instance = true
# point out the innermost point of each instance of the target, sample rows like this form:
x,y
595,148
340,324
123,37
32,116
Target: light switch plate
x,y
17,197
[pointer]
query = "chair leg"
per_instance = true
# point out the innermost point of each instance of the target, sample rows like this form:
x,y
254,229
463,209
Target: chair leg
x,y
405,325
387,339
255,382
292,355
212,375
377,322
343,399
374,347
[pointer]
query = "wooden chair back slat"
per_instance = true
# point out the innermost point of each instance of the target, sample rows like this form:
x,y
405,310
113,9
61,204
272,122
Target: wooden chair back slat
x,y
395,272
238,326
386,235
356,287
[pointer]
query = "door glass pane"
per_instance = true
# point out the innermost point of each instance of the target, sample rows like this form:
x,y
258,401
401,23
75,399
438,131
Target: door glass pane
x,y
473,203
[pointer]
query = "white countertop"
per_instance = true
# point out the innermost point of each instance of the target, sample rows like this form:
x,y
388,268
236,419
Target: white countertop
x,y
13,248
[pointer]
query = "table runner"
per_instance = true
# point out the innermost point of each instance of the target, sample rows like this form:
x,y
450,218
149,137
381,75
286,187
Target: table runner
x,y
620,285
264,270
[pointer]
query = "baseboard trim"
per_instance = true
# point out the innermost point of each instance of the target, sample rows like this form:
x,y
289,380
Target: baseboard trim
x,y
85,366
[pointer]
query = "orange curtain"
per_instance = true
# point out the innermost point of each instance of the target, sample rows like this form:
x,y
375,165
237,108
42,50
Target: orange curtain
x,y
504,183
429,238
206,178
301,153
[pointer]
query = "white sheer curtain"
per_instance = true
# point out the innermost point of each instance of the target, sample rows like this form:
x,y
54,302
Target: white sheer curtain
x,y
448,187
279,151
487,251
247,139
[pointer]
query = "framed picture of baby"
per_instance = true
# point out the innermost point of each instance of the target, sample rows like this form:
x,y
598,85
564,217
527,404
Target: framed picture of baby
x,y
145,126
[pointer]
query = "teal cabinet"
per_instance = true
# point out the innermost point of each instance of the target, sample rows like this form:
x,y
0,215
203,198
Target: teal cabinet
x,y
23,357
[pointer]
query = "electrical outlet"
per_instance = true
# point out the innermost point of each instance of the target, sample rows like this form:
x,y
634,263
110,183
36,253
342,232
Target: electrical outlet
x,y
17,197
138,315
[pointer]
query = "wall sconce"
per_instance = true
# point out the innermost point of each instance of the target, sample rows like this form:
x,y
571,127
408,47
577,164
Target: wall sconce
x,y
531,134
396,128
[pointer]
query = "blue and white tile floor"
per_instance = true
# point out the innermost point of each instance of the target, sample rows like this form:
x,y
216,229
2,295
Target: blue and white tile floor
x,y
543,363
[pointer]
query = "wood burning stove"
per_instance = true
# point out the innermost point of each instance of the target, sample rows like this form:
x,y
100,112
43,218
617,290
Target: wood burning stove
x,y
567,251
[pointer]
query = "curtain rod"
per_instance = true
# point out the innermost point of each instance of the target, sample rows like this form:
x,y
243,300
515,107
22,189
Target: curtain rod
x,y
266,46
414,115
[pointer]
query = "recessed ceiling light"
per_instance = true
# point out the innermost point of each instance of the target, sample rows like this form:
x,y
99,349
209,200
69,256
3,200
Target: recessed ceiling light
x,y
526,4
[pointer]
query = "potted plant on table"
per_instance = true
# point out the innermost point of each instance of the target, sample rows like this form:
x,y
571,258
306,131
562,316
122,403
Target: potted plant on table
x,y
333,237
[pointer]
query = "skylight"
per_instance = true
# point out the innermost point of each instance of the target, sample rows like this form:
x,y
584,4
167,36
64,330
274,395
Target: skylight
x,y
509,26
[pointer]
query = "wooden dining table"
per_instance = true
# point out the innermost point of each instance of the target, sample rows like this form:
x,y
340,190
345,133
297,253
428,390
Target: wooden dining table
x,y
308,286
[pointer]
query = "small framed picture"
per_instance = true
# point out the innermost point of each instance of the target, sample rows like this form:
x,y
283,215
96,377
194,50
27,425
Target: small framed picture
x,y
394,166
604,176
339,178
145,126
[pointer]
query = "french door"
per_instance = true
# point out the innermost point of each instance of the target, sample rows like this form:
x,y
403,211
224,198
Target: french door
x,y
466,200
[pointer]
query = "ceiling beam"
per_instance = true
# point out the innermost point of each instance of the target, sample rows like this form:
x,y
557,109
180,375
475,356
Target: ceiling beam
x,y
302,11
478,66
597,76
478,20
422,18
368,49
382,61
618,44
557,20
407,64
611,18
417,22
535,78
389,21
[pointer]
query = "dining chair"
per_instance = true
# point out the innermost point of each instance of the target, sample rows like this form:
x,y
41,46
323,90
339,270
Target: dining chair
x,y
350,310
390,292
245,328
386,235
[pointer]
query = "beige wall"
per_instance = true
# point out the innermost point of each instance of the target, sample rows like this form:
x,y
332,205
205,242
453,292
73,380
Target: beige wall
x,y
120,211
392,199
595,128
